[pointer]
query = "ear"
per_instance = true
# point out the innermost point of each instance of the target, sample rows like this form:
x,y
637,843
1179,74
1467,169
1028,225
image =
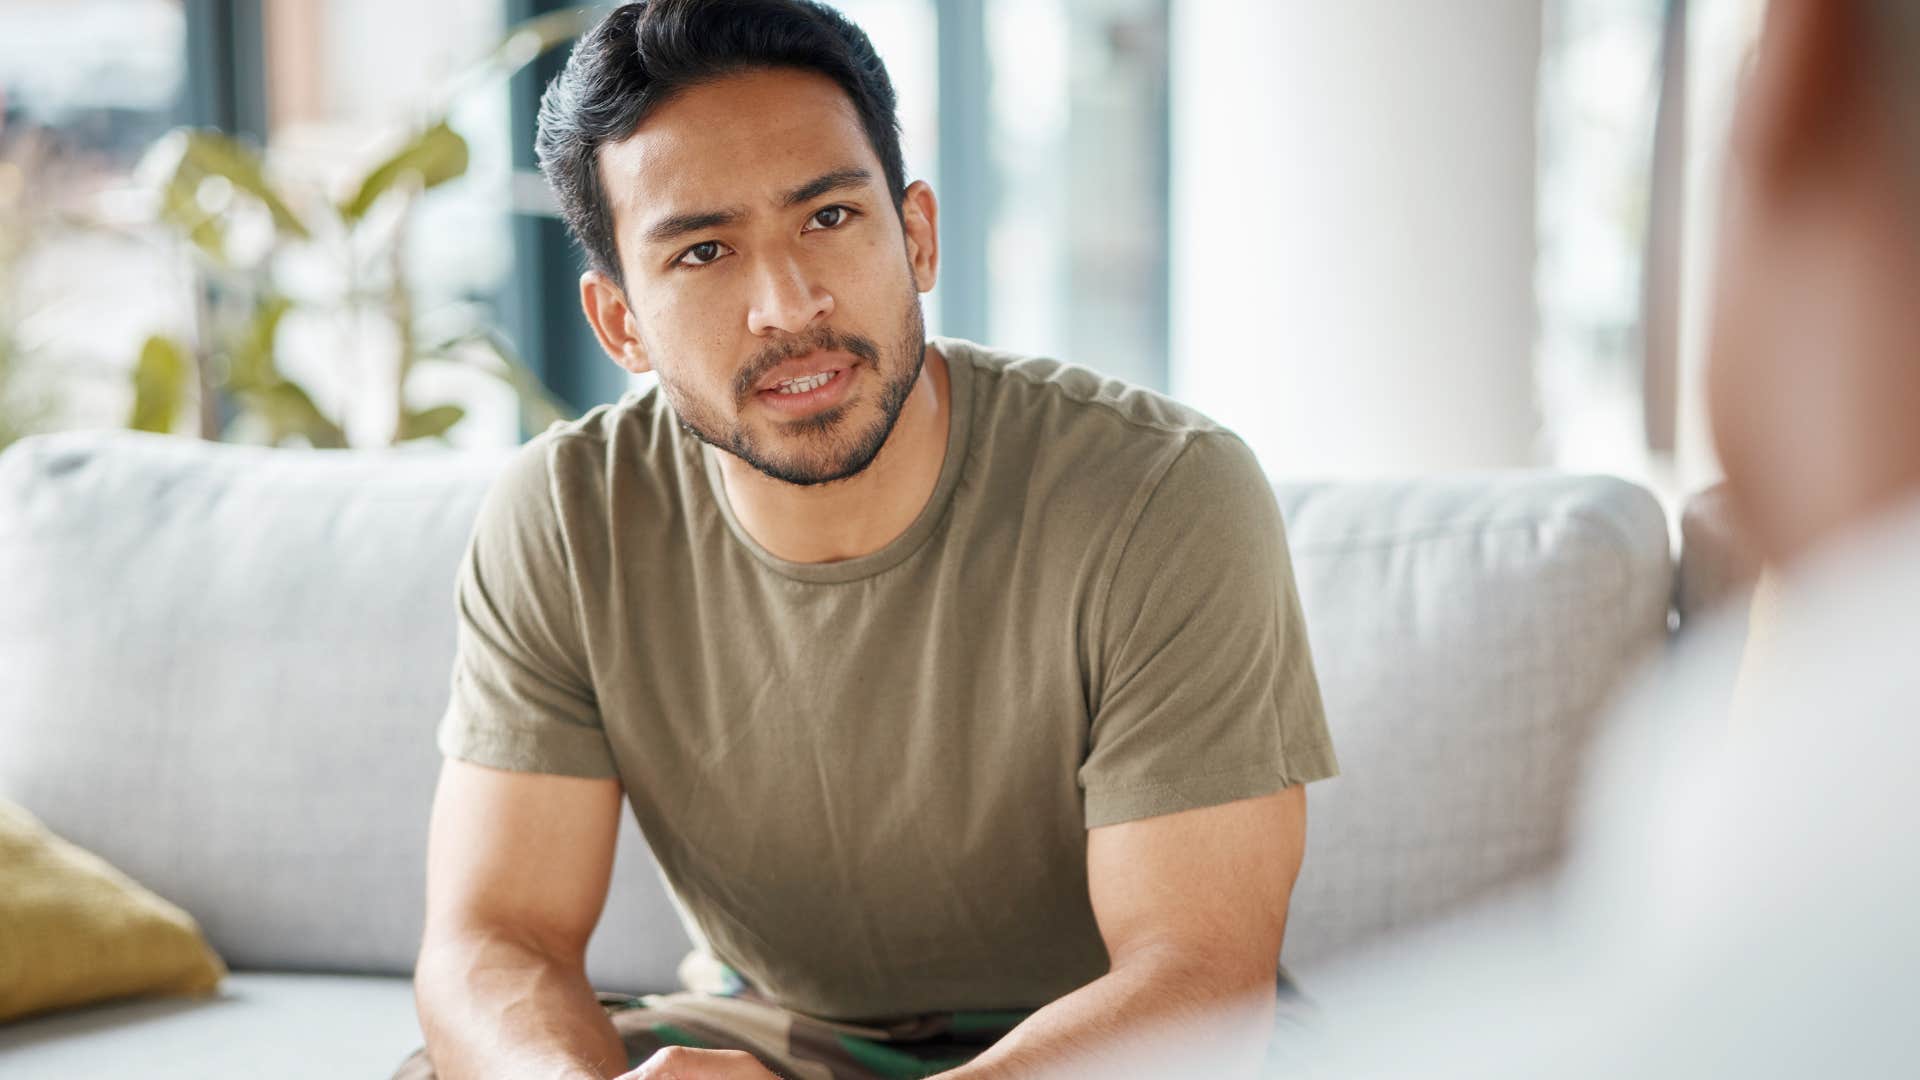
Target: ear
x,y
606,306
1795,95
920,217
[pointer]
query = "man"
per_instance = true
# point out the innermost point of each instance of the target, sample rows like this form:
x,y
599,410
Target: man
x,y
963,699
1742,900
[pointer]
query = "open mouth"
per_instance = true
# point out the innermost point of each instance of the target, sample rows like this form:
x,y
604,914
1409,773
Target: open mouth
x,y
804,383
808,393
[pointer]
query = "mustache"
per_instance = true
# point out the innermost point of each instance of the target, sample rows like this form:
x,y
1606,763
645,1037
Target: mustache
x,y
819,339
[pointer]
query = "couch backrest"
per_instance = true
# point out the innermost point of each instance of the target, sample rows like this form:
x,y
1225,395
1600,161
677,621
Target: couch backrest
x,y
221,667
1467,631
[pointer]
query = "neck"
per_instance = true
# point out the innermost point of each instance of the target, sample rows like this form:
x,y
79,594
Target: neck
x,y
859,515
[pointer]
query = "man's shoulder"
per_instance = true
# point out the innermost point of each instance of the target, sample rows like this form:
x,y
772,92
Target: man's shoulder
x,y
1053,393
1077,437
573,460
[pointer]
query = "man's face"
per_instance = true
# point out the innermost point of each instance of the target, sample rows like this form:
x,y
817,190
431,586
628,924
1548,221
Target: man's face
x,y
770,282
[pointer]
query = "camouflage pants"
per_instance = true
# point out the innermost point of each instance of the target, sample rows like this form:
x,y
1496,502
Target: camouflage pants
x,y
731,1015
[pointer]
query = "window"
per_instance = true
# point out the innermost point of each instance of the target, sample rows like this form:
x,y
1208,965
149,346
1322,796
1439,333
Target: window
x,y
85,86
1076,225
1600,82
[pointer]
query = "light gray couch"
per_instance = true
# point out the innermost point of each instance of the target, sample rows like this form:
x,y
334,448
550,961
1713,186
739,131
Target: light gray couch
x,y
221,667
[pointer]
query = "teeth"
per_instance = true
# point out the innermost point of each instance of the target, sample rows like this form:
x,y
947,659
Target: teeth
x,y
802,385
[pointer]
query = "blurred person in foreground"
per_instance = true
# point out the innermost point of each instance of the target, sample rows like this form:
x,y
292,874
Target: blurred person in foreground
x,y
963,698
1742,895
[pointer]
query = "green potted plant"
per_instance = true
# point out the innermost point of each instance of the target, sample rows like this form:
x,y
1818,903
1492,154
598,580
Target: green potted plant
x,y
215,198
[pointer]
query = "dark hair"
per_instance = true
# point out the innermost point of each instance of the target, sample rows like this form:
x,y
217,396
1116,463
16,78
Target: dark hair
x,y
643,53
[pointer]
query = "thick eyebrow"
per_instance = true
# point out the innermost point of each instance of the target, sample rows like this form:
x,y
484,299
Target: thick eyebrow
x,y
837,180
674,226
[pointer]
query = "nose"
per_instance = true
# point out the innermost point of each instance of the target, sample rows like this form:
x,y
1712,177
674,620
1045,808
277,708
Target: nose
x,y
785,300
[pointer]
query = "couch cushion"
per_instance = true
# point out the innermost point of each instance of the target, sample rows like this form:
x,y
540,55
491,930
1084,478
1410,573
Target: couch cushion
x,y
1467,630
321,1027
222,667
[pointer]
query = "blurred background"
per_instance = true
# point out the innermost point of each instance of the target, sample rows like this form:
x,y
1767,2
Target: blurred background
x,y
1374,237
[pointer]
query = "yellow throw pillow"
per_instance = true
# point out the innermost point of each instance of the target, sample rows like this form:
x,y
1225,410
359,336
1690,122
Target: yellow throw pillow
x,y
74,930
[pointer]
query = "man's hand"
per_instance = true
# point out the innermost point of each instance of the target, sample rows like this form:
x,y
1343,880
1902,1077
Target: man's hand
x,y
686,1063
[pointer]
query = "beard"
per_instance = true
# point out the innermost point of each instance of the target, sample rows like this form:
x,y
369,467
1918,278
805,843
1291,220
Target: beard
x,y
827,446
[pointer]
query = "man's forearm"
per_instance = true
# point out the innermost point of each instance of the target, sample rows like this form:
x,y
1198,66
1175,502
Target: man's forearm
x,y
491,1005
1161,1016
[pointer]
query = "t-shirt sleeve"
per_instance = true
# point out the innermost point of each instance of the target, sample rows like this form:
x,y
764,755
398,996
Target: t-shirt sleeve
x,y
1206,691
522,698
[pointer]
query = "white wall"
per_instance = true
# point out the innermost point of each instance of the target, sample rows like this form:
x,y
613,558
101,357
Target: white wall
x,y
1353,229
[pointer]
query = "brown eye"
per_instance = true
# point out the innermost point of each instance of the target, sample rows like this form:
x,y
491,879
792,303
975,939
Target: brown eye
x,y
830,217
701,254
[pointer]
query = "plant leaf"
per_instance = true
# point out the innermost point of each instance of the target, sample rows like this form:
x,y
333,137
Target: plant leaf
x,y
252,357
210,153
436,155
428,423
179,209
289,411
541,408
159,384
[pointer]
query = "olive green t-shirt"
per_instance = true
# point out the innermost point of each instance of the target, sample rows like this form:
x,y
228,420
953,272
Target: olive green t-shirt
x,y
869,782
